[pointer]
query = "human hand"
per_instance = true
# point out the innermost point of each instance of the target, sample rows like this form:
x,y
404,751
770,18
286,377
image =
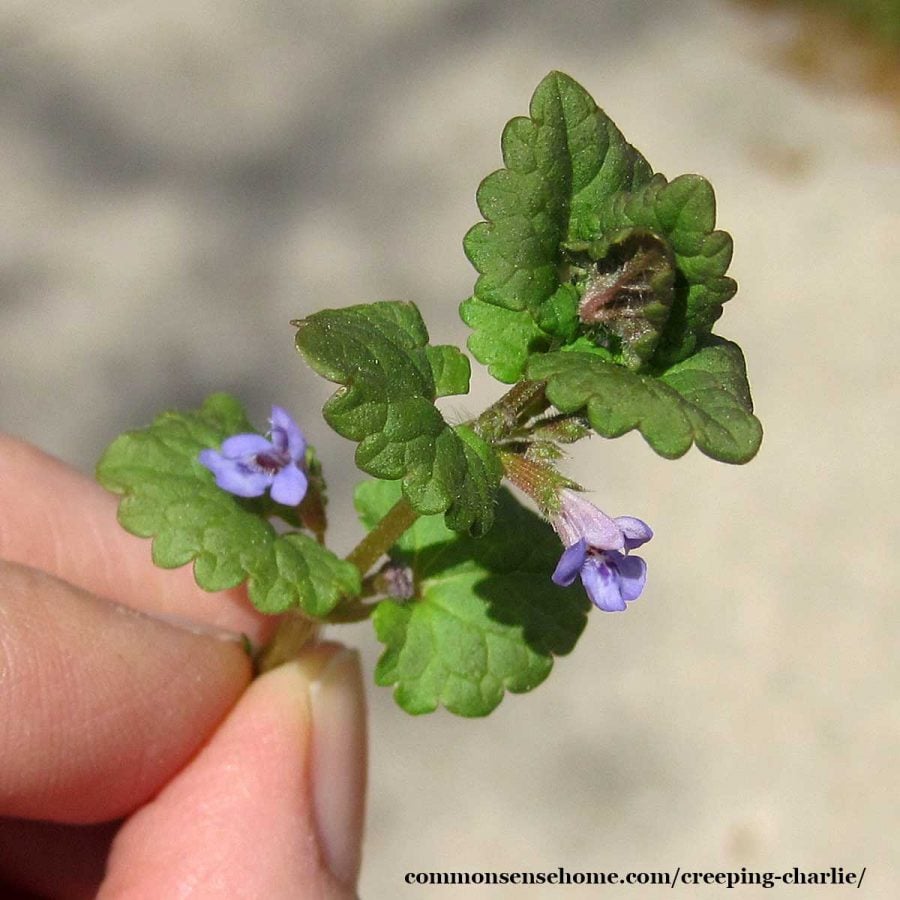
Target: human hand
x,y
137,758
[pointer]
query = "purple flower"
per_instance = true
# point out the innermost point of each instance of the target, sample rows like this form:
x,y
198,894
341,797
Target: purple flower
x,y
597,551
248,464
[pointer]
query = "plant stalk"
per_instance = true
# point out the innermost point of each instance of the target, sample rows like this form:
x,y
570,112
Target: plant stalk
x,y
293,634
383,536
522,401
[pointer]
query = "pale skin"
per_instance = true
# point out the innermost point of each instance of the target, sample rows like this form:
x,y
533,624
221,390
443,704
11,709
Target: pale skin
x,y
138,758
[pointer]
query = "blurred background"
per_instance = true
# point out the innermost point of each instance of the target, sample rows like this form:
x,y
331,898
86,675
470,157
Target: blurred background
x,y
180,178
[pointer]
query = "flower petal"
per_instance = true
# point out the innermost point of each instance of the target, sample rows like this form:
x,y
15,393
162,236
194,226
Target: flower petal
x,y
286,434
231,476
570,564
579,518
602,585
240,445
632,577
212,459
636,531
289,486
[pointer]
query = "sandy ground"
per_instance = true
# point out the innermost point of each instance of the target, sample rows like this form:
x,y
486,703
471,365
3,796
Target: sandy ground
x,y
180,179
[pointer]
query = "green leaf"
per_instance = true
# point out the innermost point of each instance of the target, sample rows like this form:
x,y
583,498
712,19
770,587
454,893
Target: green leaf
x,y
450,370
559,315
561,164
487,617
704,399
379,352
171,497
572,183
474,511
502,339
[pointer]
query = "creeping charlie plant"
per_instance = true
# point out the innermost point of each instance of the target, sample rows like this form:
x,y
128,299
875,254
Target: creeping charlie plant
x,y
599,282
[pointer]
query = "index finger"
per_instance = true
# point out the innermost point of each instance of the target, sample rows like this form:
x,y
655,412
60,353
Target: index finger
x,y
57,520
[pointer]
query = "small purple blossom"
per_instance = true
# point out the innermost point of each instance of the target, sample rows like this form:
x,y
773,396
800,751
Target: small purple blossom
x,y
597,551
249,464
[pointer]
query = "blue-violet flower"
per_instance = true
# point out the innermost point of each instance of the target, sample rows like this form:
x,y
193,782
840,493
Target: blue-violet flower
x,y
248,464
597,551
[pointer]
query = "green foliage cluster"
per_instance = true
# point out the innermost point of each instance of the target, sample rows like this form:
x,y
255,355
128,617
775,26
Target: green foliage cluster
x,y
599,285
572,191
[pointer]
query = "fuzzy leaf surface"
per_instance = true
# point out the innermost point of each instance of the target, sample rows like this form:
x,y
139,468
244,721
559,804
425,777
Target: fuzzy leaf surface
x,y
562,163
502,339
450,370
486,619
704,399
390,377
170,497
573,185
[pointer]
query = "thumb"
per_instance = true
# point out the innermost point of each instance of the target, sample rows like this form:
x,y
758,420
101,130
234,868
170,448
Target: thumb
x,y
272,806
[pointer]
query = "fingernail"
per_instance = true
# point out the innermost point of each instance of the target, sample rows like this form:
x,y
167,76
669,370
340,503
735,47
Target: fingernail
x,y
337,703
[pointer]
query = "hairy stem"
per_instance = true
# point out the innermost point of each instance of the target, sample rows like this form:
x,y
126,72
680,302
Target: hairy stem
x,y
537,480
522,401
